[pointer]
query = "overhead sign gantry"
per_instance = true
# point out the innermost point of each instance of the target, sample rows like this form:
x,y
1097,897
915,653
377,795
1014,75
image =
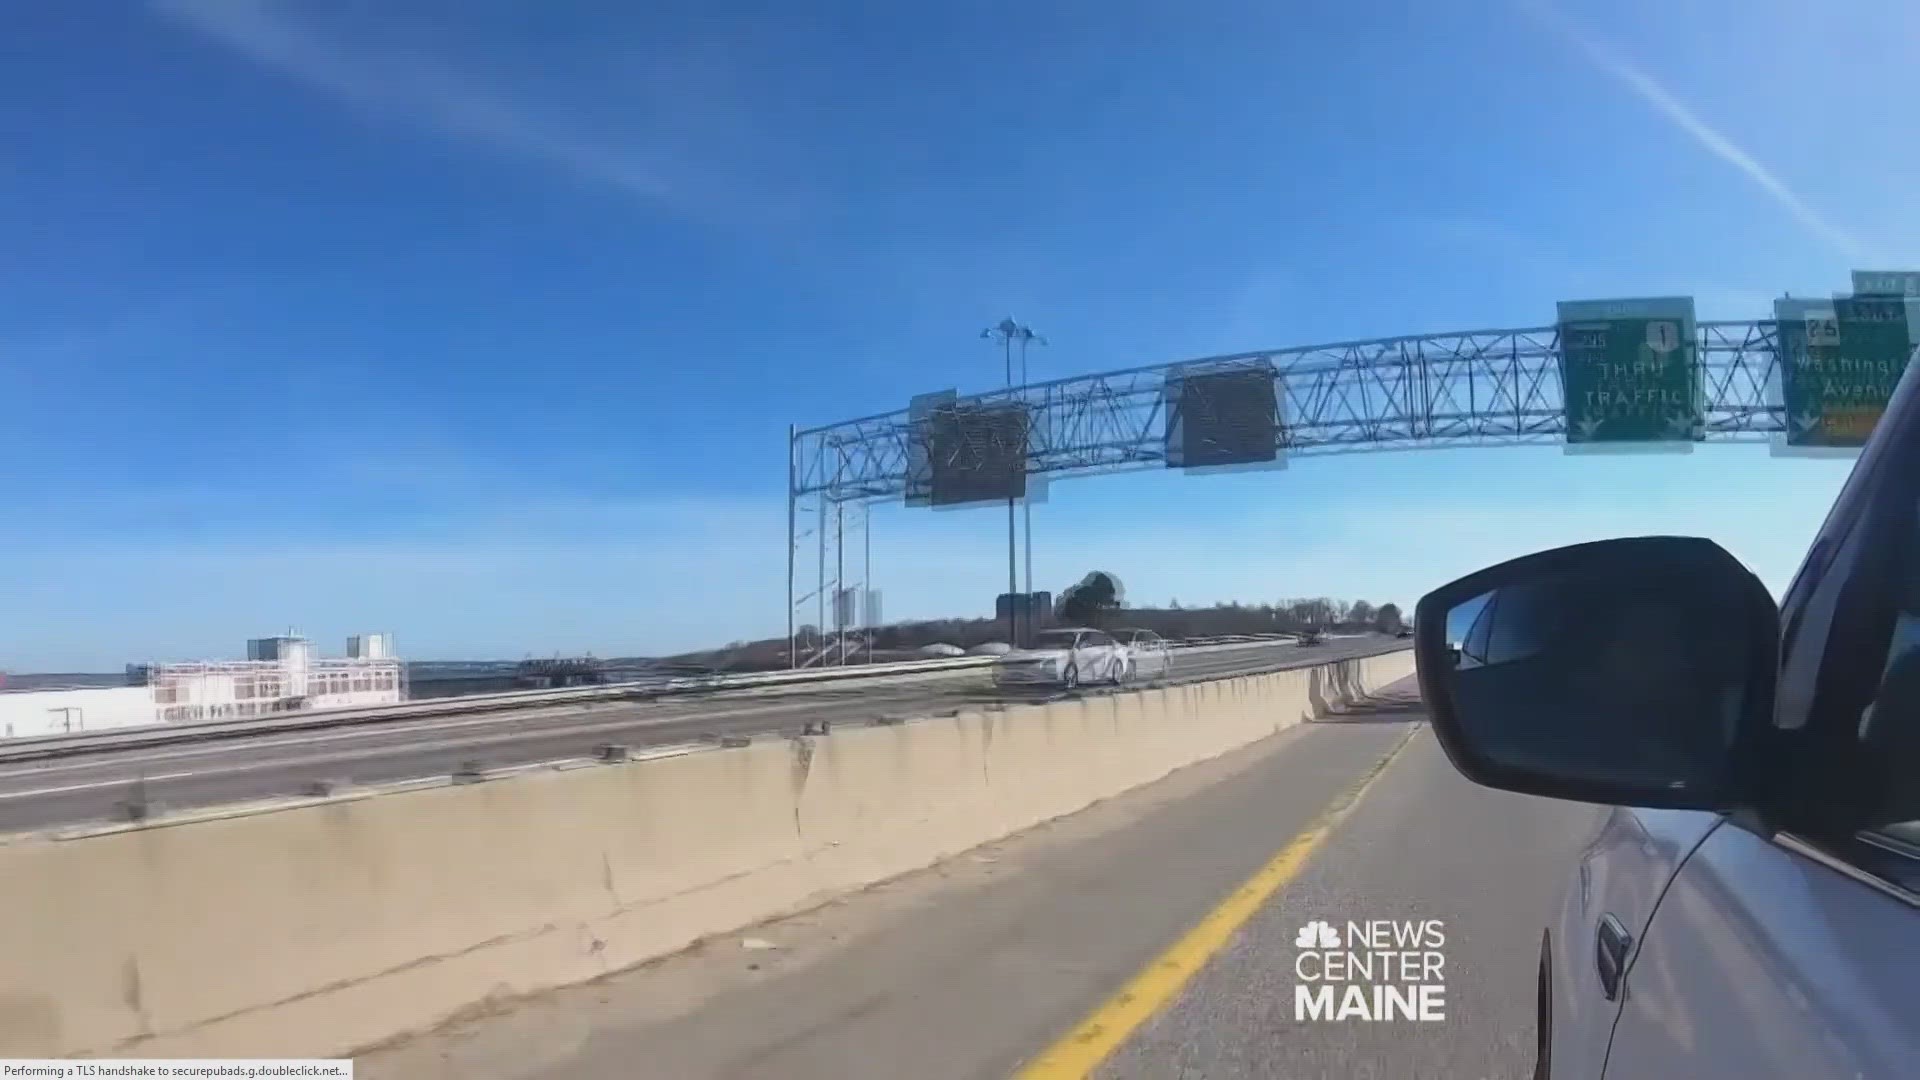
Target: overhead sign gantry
x,y
1608,374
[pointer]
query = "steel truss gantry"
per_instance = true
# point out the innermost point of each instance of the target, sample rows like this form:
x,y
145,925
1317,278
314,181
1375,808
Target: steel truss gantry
x,y
1470,388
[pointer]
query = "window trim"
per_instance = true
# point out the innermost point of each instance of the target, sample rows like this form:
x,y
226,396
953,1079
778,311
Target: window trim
x,y
1834,860
1881,839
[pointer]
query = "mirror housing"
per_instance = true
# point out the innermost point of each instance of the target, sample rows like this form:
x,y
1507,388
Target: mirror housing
x,y
1627,672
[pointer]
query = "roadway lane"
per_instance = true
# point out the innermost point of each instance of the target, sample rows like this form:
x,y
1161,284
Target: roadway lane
x,y
1423,844
83,788
972,968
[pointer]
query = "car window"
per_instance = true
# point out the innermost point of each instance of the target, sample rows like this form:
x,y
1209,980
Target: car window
x,y
1096,638
1808,619
1848,694
1523,620
1056,639
1473,644
1512,623
1890,724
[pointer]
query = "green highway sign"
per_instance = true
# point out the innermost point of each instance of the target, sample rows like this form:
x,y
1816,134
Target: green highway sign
x,y
1886,283
1630,372
1839,362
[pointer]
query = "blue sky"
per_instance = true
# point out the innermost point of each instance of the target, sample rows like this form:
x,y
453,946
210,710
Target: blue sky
x,y
481,322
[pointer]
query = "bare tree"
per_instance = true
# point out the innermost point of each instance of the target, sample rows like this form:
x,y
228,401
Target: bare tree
x,y
1313,611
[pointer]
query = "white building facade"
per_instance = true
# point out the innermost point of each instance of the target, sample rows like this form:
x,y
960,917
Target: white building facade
x,y
280,675
25,713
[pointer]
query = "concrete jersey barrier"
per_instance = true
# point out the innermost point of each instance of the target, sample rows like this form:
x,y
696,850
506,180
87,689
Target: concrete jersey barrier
x,y
150,736
317,930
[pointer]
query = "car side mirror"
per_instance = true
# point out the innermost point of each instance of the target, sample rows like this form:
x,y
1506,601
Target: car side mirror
x,y
1619,672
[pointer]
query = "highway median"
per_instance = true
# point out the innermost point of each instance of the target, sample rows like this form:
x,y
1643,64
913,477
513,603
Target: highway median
x,y
327,927
154,736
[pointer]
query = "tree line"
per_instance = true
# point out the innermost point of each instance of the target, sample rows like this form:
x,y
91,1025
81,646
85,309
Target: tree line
x,y
1103,608
1284,616
1098,598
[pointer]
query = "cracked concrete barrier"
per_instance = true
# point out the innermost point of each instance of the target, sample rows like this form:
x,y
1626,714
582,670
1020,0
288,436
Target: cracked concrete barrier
x,y
321,929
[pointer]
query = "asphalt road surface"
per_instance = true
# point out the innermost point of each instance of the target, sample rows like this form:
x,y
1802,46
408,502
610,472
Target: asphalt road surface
x,y
975,967
94,787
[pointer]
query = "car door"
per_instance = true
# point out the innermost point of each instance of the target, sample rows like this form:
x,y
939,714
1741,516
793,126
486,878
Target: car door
x,y
1769,960
1100,656
1081,654
1790,947
1617,884
1156,657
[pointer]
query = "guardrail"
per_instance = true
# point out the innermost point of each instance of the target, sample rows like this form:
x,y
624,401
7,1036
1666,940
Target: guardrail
x,y
29,748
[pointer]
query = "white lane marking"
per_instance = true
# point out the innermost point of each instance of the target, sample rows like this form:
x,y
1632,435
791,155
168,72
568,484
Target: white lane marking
x,y
315,764
630,715
95,786
643,754
503,770
402,726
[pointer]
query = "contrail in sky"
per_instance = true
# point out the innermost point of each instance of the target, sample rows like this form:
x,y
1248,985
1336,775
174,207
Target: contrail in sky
x,y
1682,116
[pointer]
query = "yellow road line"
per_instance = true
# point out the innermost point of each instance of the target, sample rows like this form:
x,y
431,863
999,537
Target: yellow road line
x,y
1082,1050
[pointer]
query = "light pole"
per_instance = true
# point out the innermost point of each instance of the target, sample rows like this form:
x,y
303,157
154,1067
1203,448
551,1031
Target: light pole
x,y
866,575
1007,331
1026,505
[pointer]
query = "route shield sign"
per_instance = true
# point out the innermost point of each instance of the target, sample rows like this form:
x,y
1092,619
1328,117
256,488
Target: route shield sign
x,y
1839,362
1631,373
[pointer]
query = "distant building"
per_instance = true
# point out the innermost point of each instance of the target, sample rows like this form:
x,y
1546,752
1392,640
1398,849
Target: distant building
x,y
280,675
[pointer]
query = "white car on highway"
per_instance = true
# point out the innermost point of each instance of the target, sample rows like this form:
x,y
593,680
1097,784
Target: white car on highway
x,y
1149,656
1066,658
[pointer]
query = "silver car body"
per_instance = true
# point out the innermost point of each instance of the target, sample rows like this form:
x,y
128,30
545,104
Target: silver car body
x,y
1763,954
1754,958
1061,657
